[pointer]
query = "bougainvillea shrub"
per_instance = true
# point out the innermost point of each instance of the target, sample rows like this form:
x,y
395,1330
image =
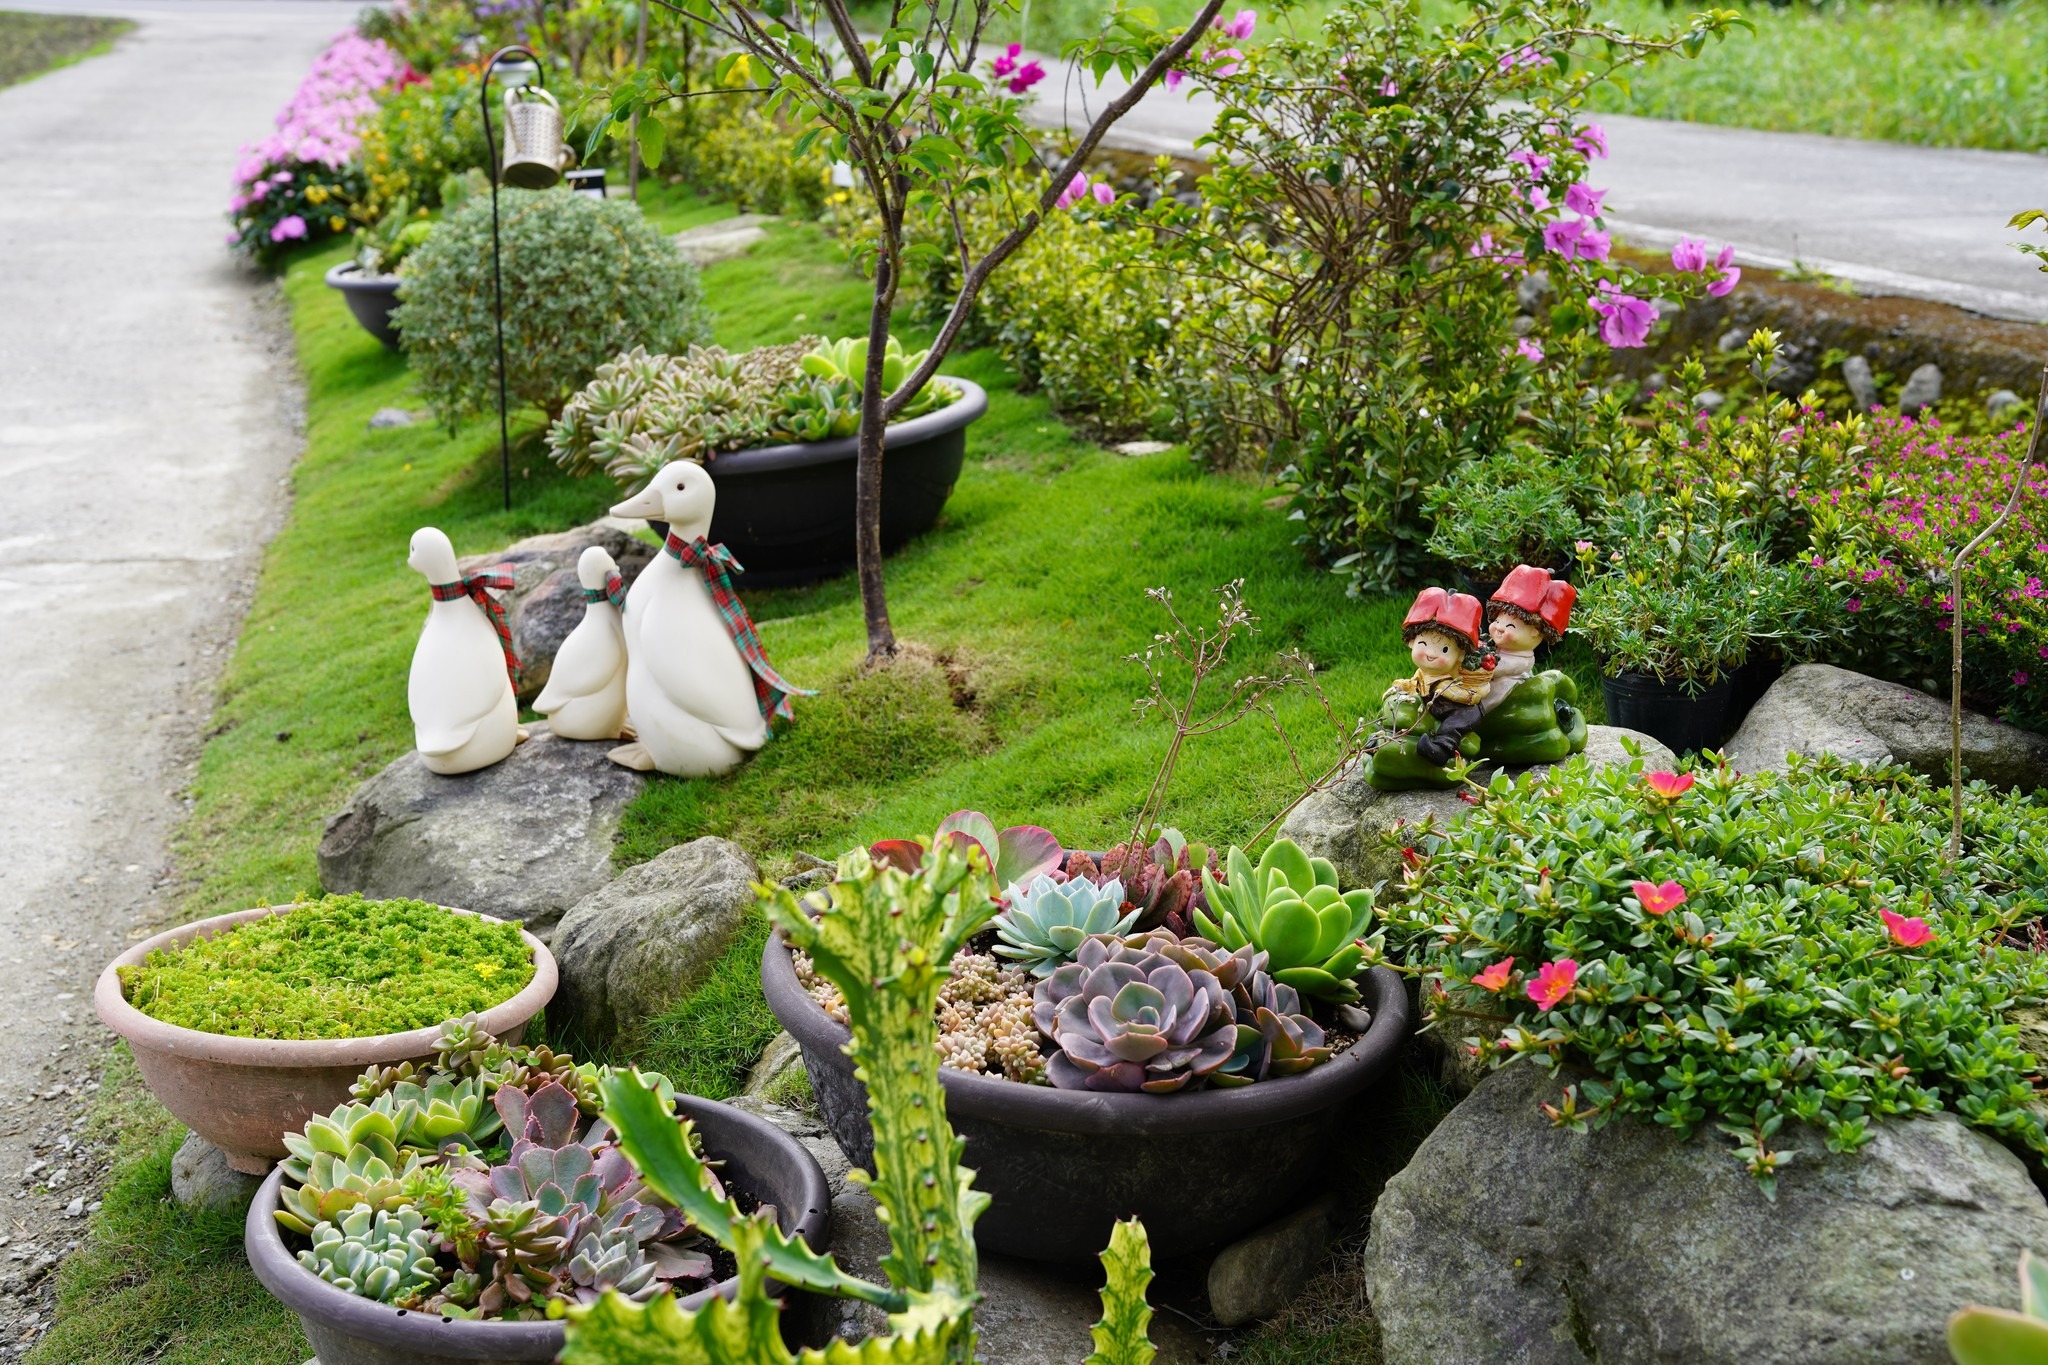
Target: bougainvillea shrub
x,y
1704,947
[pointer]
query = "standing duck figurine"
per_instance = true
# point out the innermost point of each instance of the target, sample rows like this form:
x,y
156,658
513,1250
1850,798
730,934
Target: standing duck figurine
x,y
698,684
460,691
586,693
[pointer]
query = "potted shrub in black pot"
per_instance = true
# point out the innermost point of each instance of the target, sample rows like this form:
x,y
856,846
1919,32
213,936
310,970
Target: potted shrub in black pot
x,y
1495,513
1121,1025
775,428
369,281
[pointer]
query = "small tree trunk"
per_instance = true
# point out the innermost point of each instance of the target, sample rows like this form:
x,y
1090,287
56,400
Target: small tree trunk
x,y
867,498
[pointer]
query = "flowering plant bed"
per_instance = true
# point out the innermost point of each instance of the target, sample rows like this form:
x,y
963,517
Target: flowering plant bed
x,y
1083,1091
1743,950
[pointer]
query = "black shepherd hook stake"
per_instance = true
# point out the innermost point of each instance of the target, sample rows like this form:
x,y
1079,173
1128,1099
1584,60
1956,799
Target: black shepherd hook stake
x,y
497,275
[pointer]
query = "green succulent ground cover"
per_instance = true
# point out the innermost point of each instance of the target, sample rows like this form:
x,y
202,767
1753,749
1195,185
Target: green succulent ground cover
x,y
338,967
31,44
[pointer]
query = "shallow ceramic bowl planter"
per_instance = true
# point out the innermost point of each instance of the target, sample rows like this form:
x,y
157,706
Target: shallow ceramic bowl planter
x,y
1684,722
1063,1165
371,298
244,1094
786,512
346,1329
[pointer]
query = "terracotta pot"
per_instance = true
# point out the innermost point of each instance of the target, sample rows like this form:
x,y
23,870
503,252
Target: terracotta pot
x,y
345,1329
244,1094
1063,1165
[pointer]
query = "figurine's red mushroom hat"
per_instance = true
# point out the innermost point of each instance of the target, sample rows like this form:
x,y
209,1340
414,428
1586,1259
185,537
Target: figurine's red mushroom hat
x,y
1531,594
1454,613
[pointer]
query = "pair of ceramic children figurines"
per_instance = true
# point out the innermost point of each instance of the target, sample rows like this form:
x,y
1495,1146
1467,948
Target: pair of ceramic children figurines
x,y
1466,700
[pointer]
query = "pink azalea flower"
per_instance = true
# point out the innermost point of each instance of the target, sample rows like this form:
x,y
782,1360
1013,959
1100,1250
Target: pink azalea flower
x,y
1658,900
1554,981
1103,193
1529,350
1907,933
289,227
1625,320
1388,88
1028,75
1536,163
1690,255
1583,198
1496,976
1240,26
1591,141
1670,786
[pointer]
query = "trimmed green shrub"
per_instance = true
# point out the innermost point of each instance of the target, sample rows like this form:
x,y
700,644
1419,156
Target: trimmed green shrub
x,y
584,280
1743,950
342,967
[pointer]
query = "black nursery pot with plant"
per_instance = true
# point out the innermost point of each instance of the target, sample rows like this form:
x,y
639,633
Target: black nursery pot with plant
x,y
371,298
1684,717
1061,1166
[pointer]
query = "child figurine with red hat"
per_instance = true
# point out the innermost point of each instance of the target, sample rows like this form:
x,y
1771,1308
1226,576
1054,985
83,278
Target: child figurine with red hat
x,y
1452,673
1528,609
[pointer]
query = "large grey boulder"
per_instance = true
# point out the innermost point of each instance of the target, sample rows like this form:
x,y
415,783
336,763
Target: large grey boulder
x,y
1508,1239
524,839
1818,708
1363,830
644,940
543,570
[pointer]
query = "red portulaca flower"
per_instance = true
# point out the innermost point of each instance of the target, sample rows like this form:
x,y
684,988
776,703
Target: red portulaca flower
x,y
1670,786
1906,932
1554,981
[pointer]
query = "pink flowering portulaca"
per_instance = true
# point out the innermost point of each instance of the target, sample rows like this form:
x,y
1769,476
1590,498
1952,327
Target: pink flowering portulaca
x,y
1658,898
1496,976
1670,786
1554,981
1907,932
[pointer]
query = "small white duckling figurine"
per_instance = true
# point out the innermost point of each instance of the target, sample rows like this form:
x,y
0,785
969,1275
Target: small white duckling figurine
x,y
698,684
586,693
460,692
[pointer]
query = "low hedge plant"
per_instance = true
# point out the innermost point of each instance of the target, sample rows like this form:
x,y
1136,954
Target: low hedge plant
x,y
342,967
1748,951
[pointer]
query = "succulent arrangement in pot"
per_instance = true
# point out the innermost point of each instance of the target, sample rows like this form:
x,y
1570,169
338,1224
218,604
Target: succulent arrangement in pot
x,y
1227,1003
776,428
471,1200
245,1025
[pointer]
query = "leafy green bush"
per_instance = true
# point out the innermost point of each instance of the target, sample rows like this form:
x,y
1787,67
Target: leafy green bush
x,y
1504,510
424,133
729,148
341,967
584,280
1745,950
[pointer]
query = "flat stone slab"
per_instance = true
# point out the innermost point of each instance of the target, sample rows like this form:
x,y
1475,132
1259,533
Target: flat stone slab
x,y
524,839
725,239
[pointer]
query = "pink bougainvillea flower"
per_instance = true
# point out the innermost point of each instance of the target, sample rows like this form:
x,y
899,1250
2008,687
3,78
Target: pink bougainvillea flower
x,y
1904,931
1486,249
1583,198
1576,239
1496,976
1174,78
1232,59
1624,319
1689,255
1727,281
1005,64
1103,193
1240,26
1536,163
1538,197
1528,349
1527,56
1591,141
1554,981
1670,786
1658,900
1076,187
1028,75
1388,88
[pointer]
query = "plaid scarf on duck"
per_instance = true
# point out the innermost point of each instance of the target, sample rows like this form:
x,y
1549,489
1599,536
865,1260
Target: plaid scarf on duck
x,y
478,588
614,588
718,566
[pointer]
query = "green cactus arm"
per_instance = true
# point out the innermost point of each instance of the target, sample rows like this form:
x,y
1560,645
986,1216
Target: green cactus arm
x,y
887,941
1120,1337
655,1143
1996,1336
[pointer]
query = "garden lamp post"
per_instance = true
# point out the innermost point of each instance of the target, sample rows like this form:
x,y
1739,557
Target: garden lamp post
x,y
539,163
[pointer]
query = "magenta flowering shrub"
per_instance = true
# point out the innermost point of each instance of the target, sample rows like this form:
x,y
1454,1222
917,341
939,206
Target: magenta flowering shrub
x,y
299,183
1888,532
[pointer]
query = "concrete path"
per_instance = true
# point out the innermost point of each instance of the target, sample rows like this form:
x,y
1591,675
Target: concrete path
x,y
148,416
1927,222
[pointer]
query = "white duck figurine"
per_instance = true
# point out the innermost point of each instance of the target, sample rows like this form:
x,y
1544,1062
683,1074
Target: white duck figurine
x,y
460,693
586,693
689,689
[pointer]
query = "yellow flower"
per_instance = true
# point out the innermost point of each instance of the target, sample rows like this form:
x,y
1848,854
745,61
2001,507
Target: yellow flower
x,y
316,194
336,222
487,970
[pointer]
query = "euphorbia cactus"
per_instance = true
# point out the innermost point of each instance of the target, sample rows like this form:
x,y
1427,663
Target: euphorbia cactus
x,y
1127,1017
1289,908
1047,920
885,935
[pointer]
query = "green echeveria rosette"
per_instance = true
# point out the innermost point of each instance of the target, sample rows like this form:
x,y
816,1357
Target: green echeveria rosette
x,y
1047,921
1129,1018
1289,908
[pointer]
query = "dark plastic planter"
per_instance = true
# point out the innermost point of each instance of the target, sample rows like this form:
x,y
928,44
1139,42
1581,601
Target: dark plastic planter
x,y
1748,684
1063,1165
786,512
370,297
1684,722
346,1330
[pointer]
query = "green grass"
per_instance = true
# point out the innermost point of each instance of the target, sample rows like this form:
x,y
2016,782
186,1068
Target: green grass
x,y
32,44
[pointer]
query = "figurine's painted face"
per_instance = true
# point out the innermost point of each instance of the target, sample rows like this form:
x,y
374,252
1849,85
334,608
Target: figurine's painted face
x,y
1436,652
1513,634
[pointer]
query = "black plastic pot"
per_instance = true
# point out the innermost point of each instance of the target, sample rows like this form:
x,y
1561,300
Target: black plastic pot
x,y
786,512
759,1158
1683,721
1063,1165
370,297
1748,683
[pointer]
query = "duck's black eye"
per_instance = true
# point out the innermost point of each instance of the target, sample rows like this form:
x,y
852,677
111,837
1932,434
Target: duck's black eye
x,y
679,488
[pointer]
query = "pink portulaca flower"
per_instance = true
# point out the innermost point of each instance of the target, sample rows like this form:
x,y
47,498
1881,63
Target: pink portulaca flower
x,y
1660,899
1670,786
1906,932
1554,981
1496,976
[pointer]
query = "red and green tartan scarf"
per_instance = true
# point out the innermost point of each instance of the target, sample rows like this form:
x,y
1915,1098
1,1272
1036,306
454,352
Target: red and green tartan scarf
x,y
478,588
614,588
718,566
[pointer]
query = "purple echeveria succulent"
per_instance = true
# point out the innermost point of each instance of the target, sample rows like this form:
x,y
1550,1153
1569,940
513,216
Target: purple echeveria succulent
x,y
1128,1017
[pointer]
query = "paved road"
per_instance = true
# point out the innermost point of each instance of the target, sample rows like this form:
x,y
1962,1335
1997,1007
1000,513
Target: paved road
x,y
1927,222
148,416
